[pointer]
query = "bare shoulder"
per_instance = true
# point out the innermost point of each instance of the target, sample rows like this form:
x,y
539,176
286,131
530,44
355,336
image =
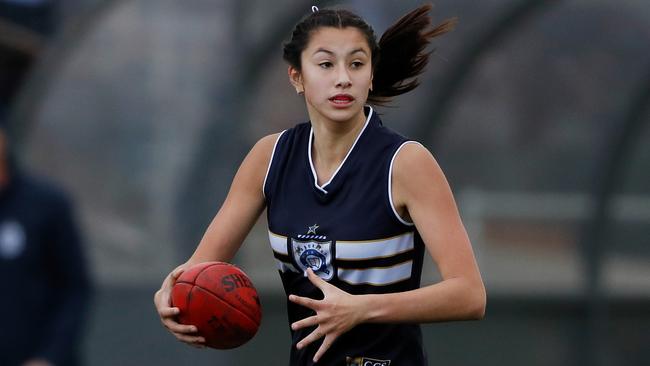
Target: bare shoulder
x,y
417,177
261,152
266,143
420,189
415,161
252,170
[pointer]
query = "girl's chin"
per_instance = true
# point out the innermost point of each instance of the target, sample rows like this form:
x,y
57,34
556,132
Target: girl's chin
x,y
328,112
342,115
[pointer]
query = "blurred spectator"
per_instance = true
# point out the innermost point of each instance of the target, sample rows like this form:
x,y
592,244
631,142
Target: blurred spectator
x,y
24,27
45,285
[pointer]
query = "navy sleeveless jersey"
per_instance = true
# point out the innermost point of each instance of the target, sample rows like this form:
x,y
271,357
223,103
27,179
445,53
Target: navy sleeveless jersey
x,y
349,233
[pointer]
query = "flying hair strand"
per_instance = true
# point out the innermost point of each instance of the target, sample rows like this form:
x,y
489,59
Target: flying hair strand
x,y
402,55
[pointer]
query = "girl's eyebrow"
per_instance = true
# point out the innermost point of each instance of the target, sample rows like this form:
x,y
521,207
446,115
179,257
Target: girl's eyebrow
x,y
332,53
324,50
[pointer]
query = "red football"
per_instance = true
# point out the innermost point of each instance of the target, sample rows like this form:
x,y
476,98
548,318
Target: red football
x,y
221,301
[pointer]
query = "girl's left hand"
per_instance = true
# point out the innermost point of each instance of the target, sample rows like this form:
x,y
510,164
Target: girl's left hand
x,y
336,313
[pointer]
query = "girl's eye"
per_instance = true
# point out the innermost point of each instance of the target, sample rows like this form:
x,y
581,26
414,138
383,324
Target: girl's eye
x,y
357,64
325,64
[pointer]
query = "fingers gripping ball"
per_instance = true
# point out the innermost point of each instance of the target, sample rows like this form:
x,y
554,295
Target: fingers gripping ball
x,y
220,300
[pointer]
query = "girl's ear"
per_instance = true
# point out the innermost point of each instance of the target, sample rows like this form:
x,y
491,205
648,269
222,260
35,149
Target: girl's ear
x,y
295,77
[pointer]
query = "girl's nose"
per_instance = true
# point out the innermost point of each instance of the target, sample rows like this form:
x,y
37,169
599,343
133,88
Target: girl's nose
x,y
343,80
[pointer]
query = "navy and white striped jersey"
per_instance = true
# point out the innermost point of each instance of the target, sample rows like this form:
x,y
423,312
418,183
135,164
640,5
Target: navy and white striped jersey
x,y
349,233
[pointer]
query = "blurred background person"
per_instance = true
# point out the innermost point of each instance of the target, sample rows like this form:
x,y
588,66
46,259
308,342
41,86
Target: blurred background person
x,y
45,283
45,286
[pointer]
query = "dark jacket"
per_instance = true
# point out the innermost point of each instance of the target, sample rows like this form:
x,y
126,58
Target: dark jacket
x,y
44,286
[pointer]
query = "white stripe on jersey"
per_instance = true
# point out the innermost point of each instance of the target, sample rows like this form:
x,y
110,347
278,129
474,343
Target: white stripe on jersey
x,y
278,243
382,248
378,276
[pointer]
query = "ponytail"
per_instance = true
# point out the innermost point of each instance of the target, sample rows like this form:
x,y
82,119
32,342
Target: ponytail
x,y
402,55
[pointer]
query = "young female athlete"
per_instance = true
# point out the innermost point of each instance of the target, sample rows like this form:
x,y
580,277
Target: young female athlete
x,y
351,205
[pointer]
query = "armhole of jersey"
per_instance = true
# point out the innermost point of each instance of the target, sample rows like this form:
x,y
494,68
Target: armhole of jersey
x,y
390,183
268,168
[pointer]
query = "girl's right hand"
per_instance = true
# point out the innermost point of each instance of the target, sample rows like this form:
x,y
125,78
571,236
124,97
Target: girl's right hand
x,y
167,313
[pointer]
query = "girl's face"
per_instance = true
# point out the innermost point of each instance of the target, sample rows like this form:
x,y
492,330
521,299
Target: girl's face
x,y
336,74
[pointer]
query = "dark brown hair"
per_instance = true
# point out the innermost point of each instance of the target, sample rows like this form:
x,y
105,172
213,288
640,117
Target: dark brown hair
x,y
397,59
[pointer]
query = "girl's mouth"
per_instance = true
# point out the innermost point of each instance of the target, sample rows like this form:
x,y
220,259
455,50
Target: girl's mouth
x,y
342,99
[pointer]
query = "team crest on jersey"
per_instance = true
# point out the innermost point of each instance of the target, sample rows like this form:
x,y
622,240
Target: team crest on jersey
x,y
314,254
364,361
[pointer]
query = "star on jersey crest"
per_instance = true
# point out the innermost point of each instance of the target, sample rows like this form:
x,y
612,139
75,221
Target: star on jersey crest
x,y
312,229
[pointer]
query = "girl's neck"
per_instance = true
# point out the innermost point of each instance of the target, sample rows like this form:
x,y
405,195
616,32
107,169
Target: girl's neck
x,y
332,141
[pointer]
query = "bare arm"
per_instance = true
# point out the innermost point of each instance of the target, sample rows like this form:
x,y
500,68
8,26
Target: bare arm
x,y
225,234
421,193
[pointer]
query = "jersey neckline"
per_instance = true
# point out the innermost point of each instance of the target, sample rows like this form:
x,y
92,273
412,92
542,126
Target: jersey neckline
x,y
311,162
